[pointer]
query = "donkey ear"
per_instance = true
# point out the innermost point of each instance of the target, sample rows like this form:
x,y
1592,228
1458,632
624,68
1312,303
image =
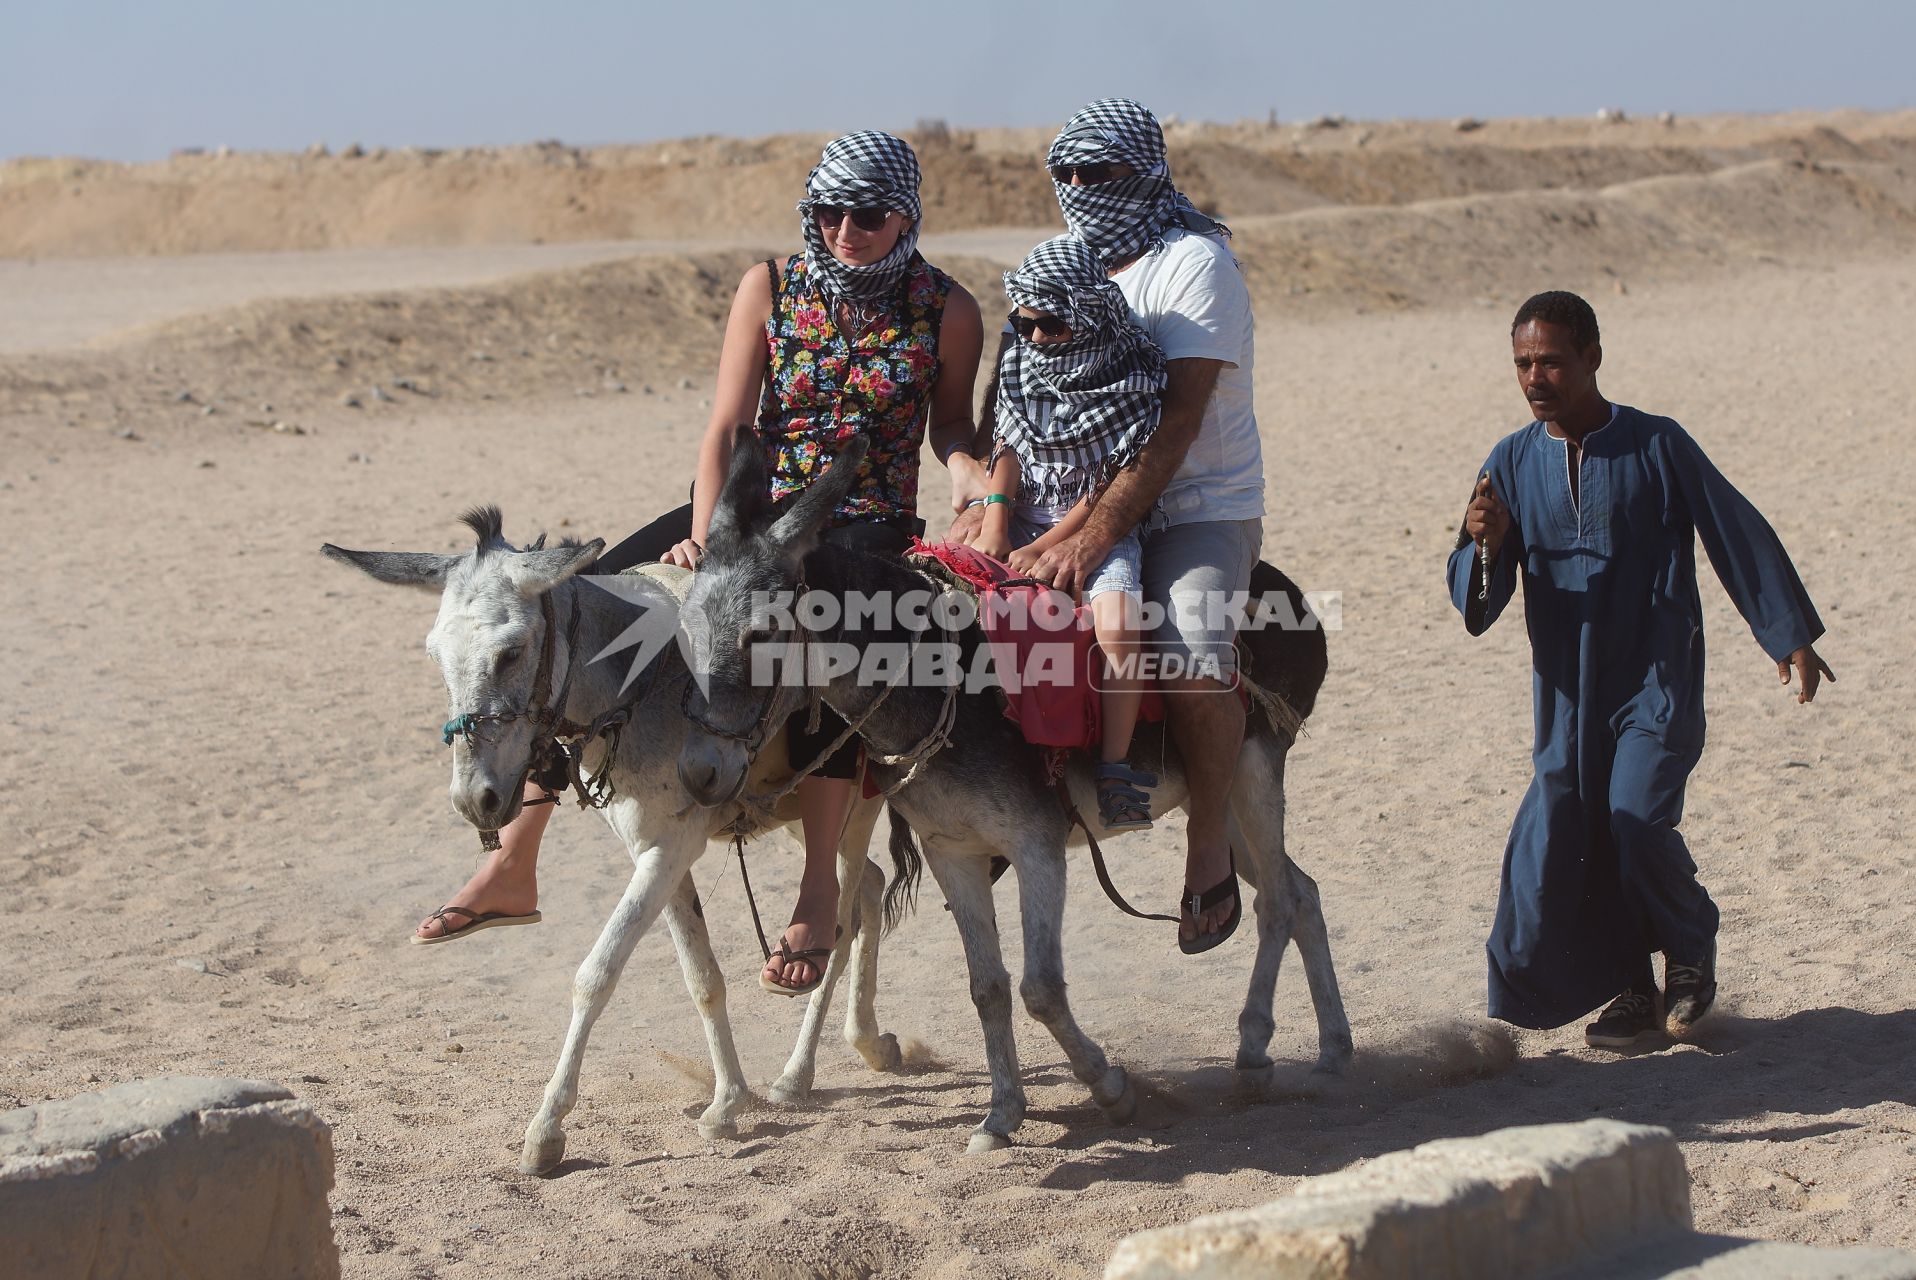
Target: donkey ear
x,y
741,503
533,573
795,529
401,568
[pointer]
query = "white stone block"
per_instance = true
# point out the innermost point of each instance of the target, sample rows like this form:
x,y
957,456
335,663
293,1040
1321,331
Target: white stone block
x,y
1710,1257
1519,1202
167,1177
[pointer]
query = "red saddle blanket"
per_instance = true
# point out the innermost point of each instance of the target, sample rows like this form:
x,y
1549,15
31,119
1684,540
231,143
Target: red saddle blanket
x,y
1043,649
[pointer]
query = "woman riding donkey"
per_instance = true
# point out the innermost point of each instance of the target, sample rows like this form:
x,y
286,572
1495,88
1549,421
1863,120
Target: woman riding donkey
x,y
1079,394
856,337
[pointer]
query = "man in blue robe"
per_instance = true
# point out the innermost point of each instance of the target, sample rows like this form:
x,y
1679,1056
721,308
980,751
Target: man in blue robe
x,y
1594,504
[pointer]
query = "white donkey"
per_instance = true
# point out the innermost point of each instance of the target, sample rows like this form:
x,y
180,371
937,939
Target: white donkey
x,y
514,639
966,781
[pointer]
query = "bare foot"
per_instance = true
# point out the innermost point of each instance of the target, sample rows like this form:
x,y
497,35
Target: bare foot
x,y
506,884
1204,868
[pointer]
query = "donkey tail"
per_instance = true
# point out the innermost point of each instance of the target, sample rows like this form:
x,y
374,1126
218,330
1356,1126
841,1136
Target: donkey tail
x,y
907,866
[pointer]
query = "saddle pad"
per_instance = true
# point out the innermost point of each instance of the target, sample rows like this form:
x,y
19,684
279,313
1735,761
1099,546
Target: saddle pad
x,y
673,578
1042,646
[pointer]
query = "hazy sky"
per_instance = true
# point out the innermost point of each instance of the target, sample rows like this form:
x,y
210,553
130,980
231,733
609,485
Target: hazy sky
x,y
134,79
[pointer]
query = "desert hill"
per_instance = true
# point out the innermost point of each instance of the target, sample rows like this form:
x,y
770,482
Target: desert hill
x,y
1655,204
705,188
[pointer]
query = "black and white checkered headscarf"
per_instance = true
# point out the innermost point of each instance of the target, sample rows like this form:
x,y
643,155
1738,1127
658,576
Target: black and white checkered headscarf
x,y
864,170
1127,217
1102,388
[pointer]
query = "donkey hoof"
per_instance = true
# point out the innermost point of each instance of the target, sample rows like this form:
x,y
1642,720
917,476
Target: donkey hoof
x,y
983,1140
540,1157
888,1056
790,1093
1333,1060
713,1130
1125,1109
1115,1096
1253,1081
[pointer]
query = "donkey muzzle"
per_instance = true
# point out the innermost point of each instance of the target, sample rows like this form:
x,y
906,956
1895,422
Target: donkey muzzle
x,y
712,772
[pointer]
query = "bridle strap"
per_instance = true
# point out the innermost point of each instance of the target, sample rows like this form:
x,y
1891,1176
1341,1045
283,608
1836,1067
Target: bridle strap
x,y
542,679
543,708
545,711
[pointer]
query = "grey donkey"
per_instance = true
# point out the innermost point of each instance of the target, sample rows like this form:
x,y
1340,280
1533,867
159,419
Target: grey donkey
x,y
517,626
966,782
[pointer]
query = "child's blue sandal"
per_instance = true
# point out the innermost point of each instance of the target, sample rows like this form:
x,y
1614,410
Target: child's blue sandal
x,y
1124,802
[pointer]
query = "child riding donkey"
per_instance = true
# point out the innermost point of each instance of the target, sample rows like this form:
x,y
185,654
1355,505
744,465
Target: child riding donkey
x,y
1078,396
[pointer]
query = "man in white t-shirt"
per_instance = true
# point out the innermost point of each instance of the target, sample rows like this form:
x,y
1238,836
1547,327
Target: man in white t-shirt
x,y
1198,486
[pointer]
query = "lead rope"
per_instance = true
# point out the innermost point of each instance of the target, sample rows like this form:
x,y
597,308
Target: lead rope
x,y
928,746
758,926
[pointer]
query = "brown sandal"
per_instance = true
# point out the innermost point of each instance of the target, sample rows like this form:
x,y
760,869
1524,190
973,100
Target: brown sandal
x,y
817,957
474,923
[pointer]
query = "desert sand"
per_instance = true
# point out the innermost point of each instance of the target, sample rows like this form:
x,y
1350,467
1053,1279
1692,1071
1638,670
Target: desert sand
x,y
224,782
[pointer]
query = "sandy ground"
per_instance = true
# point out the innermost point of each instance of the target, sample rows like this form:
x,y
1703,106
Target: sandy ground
x,y
226,788
67,302
47,304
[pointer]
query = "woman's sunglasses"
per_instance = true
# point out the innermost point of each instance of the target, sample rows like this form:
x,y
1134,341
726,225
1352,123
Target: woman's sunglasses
x,y
1049,326
1088,175
830,215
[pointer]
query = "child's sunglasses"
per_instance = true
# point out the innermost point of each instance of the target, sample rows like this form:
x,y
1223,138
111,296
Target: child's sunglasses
x,y
1049,326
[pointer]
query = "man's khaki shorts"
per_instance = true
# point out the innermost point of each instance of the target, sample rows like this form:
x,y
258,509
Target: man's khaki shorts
x,y
1195,572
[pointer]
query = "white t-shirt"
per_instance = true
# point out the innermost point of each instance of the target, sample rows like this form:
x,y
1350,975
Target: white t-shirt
x,y
1191,298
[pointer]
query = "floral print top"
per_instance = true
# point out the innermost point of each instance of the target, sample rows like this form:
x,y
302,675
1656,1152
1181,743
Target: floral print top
x,y
824,385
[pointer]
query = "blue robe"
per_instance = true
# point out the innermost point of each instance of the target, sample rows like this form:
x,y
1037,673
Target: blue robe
x,y
1595,877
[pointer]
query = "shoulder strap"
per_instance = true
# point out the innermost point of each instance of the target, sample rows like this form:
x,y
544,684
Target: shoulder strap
x,y
771,272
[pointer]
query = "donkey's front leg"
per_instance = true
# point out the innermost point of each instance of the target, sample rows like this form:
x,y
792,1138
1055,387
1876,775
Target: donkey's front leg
x,y
794,1084
706,983
655,878
1041,879
966,882
878,1048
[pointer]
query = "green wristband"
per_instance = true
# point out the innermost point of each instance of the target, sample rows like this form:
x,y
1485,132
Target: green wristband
x,y
992,499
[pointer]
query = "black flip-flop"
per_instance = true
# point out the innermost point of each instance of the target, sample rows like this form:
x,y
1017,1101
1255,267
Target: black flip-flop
x,y
1198,903
817,957
474,923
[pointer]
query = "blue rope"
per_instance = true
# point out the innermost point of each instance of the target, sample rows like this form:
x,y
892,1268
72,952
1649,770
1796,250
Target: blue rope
x,y
461,724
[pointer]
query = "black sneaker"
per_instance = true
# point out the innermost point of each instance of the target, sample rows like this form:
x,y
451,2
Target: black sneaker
x,y
1626,1020
1688,993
